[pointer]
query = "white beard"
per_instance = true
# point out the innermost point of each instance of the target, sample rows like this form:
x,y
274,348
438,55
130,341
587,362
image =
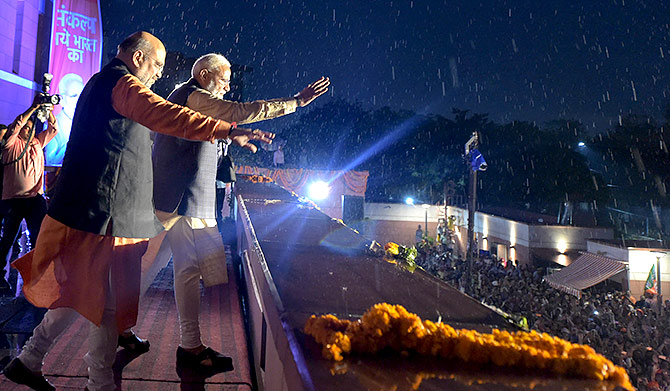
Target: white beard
x,y
211,86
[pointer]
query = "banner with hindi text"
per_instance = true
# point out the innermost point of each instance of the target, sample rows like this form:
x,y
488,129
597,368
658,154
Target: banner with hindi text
x,y
76,54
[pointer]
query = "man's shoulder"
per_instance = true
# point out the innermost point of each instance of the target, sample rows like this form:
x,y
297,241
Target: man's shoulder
x,y
115,66
183,90
107,78
202,93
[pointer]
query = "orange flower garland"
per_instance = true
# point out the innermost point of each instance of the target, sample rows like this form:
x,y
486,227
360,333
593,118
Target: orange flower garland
x,y
392,326
392,248
260,179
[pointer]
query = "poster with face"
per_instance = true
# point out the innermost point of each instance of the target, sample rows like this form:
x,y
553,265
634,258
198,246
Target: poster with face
x,y
76,54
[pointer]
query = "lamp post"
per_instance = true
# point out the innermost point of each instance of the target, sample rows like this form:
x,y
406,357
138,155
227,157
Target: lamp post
x,y
471,145
425,209
472,202
659,295
475,162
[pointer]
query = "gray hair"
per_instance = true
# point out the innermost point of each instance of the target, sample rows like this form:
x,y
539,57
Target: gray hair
x,y
210,62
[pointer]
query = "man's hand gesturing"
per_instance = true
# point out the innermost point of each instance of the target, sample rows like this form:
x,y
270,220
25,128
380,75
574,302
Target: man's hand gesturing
x,y
244,136
312,91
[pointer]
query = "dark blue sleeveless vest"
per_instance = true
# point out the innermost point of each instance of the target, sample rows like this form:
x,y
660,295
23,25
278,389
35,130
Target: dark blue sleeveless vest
x,y
105,185
184,170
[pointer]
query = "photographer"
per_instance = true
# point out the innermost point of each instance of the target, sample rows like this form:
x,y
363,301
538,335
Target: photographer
x,y
23,179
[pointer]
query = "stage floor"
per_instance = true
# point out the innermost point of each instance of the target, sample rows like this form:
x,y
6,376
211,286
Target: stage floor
x,y
222,328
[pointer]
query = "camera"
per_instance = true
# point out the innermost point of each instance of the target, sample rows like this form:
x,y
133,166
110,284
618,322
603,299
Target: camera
x,y
44,98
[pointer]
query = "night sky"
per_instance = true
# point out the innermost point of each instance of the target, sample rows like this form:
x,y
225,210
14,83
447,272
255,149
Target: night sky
x,y
516,60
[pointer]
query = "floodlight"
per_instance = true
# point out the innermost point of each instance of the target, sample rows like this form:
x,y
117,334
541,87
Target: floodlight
x,y
318,190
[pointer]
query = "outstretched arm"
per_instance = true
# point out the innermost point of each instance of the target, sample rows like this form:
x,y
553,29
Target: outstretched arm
x,y
248,112
204,102
134,100
312,91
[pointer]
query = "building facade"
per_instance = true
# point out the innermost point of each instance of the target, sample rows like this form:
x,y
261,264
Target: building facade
x,y
639,256
519,241
24,53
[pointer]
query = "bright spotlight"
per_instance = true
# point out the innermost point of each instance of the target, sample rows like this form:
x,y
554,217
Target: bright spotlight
x,y
318,190
562,246
581,144
409,201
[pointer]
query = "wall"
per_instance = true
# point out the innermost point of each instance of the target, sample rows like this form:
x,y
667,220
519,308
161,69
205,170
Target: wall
x,y
332,205
637,288
18,54
491,230
402,212
398,222
608,250
639,264
565,238
384,231
504,230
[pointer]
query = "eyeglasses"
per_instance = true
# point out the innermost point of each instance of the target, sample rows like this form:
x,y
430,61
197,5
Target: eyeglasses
x,y
217,78
157,63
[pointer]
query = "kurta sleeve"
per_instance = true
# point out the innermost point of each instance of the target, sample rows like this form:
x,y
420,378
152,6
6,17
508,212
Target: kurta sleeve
x,y
45,137
242,113
12,136
134,100
13,129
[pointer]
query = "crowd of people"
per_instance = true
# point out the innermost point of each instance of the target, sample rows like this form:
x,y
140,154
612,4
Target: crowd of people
x,y
631,333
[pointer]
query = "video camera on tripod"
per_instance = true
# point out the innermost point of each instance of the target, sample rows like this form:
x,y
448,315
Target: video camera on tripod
x,y
46,100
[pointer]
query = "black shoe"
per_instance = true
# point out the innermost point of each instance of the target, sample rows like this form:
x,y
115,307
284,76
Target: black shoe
x,y
199,362
18,373
134,344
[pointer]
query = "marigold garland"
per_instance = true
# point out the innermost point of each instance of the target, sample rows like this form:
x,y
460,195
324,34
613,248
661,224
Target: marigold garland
x,y
392,326
392,248
401,256
260,179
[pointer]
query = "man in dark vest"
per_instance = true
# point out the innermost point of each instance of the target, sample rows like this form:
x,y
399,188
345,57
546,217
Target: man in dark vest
x,y
87,257
185,192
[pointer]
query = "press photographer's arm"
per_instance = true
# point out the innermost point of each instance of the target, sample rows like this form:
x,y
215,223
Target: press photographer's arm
x,y
19,121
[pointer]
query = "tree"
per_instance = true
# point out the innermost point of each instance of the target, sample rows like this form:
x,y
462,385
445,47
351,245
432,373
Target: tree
x,y
408,154
636,159
534,169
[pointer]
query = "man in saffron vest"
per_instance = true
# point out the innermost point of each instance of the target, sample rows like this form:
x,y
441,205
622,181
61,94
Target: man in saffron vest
x,y
185,192
87,257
